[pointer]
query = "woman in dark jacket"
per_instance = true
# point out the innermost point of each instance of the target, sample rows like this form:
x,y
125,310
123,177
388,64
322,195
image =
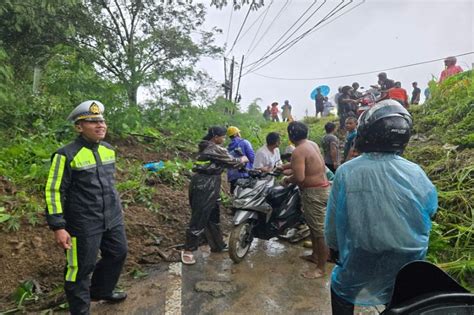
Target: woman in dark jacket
x,y
204,190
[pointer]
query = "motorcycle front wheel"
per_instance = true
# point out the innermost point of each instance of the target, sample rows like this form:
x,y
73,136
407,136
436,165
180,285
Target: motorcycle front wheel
x,y
240,240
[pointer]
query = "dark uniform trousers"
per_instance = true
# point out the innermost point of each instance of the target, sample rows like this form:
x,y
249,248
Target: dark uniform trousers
x,y
105,273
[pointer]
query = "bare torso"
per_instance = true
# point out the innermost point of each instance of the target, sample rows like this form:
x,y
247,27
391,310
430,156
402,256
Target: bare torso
x,y
308,165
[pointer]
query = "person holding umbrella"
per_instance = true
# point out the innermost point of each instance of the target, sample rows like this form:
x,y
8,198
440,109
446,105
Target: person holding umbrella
x,y
319,102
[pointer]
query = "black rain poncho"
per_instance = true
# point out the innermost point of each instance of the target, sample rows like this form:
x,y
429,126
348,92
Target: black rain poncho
x,y
204,191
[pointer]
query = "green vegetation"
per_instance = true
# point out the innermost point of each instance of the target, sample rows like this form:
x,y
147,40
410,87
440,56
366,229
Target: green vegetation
x,y
444,148
32,121
449,115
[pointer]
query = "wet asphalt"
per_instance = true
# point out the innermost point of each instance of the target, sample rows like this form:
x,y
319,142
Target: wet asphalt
x,y
268,281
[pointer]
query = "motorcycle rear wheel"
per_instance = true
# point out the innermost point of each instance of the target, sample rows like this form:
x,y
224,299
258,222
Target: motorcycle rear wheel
x,y
240,240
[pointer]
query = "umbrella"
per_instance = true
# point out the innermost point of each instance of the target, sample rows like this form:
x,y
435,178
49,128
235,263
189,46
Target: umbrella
x,y
324,91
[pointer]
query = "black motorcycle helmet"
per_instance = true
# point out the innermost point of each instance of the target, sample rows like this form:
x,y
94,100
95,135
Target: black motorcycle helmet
x,y
384,128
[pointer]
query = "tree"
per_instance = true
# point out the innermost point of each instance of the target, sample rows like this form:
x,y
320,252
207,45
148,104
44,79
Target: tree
x,y
139,42
253,108
29,29
238,4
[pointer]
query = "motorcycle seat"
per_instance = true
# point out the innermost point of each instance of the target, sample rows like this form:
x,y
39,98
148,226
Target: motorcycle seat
x,y
276,195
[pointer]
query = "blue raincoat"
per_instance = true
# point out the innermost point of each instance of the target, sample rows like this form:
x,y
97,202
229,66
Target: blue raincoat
x,y
247,150
378,218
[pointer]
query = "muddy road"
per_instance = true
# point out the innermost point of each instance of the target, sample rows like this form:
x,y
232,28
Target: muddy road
x,y
268,281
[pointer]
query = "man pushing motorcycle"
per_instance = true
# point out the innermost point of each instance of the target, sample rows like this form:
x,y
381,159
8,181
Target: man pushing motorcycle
x,y
309,173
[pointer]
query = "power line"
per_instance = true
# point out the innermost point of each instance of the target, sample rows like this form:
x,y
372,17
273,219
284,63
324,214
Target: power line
x,y
241,27
289,29
360,73
354,7
282,47
270,25
255,21
297,39
287,46
259,27
228,26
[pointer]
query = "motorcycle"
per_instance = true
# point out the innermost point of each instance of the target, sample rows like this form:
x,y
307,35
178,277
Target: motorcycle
x,y
263,211
367,100
422,288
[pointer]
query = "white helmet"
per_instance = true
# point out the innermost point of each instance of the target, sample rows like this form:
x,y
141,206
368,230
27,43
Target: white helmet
x,y
88,110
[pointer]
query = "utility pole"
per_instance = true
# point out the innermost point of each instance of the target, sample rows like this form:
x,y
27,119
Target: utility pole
x,y
238,82
225,85
231,84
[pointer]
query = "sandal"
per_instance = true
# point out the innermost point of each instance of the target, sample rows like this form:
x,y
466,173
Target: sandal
x,y
187,259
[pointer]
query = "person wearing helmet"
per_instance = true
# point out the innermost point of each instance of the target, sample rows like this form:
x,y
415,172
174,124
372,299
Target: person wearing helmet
x,y
238,147
450,69
204,190
84,211
379,211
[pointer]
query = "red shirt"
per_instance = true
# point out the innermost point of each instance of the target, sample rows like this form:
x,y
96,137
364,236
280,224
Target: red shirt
x,y
398,94
449,71
274,111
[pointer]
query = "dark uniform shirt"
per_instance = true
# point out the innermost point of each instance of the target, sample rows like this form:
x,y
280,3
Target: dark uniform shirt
x,y
80,191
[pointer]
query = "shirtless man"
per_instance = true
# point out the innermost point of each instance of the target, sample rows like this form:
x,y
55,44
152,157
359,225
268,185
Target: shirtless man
x,y
309,173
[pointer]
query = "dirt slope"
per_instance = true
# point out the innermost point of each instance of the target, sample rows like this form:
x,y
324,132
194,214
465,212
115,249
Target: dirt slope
x,y
31,254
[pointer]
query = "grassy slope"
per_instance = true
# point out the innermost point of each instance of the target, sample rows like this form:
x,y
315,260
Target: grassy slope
x,y
443,146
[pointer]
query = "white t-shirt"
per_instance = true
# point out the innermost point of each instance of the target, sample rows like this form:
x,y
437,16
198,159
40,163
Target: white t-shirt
x,y
265,158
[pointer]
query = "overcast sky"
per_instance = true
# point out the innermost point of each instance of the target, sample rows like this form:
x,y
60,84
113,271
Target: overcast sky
x,y
378,34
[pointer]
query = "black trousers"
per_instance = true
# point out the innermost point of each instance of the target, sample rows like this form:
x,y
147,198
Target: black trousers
x,y
204,193
340,306
82,262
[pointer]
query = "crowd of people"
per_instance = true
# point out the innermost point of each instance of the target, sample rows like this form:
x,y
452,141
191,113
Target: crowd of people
x,y
374,217
345,217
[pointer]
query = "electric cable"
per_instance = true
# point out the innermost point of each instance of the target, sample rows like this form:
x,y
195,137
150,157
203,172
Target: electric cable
x,y
255,21
228,26
274,46
297,39
270,25
360,73
241,27
259,27
344,13
288,45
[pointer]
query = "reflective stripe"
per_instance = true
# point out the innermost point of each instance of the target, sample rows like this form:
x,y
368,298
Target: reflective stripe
x,y
71,256
83,160
53,185
107,156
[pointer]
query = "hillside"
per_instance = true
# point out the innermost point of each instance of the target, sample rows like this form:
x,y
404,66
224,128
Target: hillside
x,y
156,206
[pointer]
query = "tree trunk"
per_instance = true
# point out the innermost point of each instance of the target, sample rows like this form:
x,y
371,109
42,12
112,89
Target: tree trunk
x,y
36,79
132,95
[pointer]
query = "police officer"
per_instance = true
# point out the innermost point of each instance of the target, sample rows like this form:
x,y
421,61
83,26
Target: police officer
x,y
84,211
